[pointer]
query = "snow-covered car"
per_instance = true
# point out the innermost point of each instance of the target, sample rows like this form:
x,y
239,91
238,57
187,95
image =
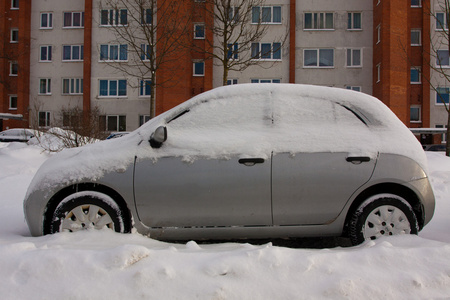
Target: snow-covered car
x,y
245,161
16,135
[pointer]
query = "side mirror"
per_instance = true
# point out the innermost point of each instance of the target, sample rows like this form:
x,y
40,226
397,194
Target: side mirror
x,y
158,137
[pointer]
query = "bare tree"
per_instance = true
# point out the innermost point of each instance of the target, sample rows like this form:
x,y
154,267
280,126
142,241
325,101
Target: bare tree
x,y
153,31
237,29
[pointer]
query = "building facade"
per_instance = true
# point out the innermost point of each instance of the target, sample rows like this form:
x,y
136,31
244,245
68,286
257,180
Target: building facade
x,y
62,54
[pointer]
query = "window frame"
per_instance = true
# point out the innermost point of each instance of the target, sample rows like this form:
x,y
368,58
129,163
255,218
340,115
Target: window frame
x,y
118,88
120,119
113,17
260,16
258,55
194,66
317,66
351,21
265,80
446,99
419,113
74,86
46,119
355,88
438,59
419,37
438,23
417,5
350,60
47,85
145,15
14,36
49,53
316,21
14,4
72,26
419,75
72,47
202,26
118,52
49,20
143,119
10,102
13,68
232,81
378,68
146,52
143,92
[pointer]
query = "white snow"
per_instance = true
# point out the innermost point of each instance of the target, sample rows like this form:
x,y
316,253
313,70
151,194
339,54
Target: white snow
x,y
107,265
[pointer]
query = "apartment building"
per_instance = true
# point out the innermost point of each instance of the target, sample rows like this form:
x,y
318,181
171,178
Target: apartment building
x,y
69,53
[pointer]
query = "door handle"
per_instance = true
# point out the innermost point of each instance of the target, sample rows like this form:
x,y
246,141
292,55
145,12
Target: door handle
x,y
357,159
251,161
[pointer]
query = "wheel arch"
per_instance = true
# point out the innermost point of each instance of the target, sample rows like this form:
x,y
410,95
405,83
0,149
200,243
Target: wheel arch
x,y
81,187
387,188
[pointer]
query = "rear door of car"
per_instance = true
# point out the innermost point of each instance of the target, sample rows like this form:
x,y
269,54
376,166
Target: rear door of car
x,y
329,154
214,170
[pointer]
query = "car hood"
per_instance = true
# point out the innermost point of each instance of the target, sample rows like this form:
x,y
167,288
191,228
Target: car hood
x,y
88,163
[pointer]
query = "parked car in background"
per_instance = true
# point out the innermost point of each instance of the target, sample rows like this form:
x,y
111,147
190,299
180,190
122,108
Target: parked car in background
x,y
245,161
434,147
16,135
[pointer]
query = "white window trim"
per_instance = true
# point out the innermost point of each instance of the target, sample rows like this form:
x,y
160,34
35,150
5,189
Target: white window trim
x,y
195,31
436,95
115,22
14,5
72,26
109,51
146,46
143,95
420,37
271,15
378,34
72,86
40,20
445,21
71,53
9,102
11,68
420,75
356,88
49,47
48,86
11,40
378,68
113,96
193,67
318,59
265,80
420,4
361,58
320,29
436,60
420,114
271,52
47,118
352,13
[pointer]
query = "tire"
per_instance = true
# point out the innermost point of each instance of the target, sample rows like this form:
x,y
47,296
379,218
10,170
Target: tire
x,y
382,215
88,210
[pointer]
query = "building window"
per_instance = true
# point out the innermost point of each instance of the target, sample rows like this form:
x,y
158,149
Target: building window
x,y
378,73
378,34
232,81
233,13
12,102
353,88
319,20
199,68
116,123
415,113
354,57
442,58
72,86
143,119
45,85
233,51
45,54
14,4
14,35
145,88
146,52
114,52
441,21
442,95
113,88
270,51
73,20
416,37
147,16
73,53
354,21
416,3
13,68
266,14
44,119
199,31
46,21
318,58
265,80
113,17
415,75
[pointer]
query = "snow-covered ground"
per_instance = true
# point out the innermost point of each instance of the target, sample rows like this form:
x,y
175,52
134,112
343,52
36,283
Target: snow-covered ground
x,y
107,265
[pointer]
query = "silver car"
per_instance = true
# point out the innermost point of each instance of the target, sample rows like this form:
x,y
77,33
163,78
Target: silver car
x,y
245,161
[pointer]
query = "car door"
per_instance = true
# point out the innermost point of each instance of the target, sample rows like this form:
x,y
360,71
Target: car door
x,y
331,154
211,171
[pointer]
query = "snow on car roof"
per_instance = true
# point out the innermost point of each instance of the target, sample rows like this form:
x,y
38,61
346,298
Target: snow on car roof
x,y
222,133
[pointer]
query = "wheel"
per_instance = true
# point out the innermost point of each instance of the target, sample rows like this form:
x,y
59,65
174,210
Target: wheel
x,y
382,215
87,210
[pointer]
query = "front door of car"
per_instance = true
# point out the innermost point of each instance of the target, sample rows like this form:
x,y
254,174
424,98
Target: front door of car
x,y
211,171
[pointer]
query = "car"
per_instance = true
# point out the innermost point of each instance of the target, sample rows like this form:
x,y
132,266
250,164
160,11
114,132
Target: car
x,y
16,135
434,147
247,161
